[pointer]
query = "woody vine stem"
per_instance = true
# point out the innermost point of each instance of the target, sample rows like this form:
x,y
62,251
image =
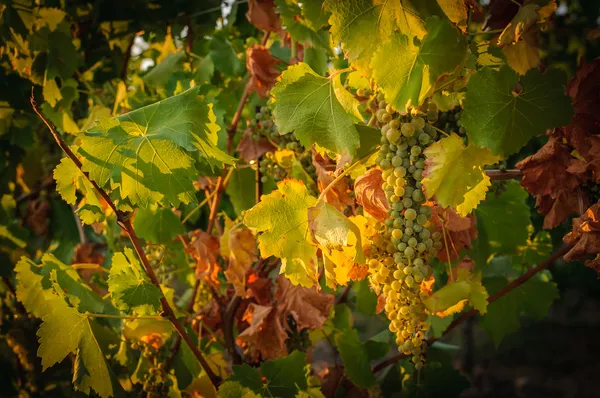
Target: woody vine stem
x,y
124,221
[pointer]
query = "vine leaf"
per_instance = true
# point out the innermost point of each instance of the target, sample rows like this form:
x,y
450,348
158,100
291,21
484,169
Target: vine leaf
x,y
360,25
144,156
282,377
407,72
130,287
157,225
34,289
339,239
503,112
66,330
310,106
355,358
239,246
69,179
534,298
527,16
281,218
300,26
454,174
452,298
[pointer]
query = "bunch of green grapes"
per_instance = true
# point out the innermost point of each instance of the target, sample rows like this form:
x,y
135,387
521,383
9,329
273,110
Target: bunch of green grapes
x,y
156,381
404,242
449,121
263,127
204,296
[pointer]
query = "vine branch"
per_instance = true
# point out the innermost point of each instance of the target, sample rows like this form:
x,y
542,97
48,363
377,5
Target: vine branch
x,y
124,221
500,293
500,175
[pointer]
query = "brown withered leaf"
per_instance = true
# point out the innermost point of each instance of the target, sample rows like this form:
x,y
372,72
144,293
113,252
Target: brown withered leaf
x,y
37,216
261,66
585,238
338,195
259,288
309,308
265,335
358,272
252,150
557,208
370,194
203,247
545,172
241,249
546,177
460,231
261,13
584,89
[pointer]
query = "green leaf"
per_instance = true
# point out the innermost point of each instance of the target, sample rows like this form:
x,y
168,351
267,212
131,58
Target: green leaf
x,y
69,179
64,331
355,358
452,297
205,70
233,389
362,25
146,153
504,220
242,189
308,105
224,57
281,218
302,29
159,75
454,173
130,288
407,72
34,286
370,139
533,298
503,111
284,377
157,225
366,299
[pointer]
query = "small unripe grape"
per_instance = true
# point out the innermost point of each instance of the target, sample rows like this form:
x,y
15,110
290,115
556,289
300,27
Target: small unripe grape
x,y
407,202
396,162
412,242
419,122
408,129
393,135
409,252
410,214
397,234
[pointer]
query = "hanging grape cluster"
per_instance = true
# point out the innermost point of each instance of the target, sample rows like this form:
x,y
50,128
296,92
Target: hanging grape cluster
x,y
263,127
404,242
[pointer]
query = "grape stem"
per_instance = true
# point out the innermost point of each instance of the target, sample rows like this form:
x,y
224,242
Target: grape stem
x,y
124,221
500,293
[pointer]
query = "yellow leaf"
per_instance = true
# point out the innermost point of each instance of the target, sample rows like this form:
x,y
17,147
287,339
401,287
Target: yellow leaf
x,y
51,92
339,239
523,55
452,298
281,219
239,246
454,174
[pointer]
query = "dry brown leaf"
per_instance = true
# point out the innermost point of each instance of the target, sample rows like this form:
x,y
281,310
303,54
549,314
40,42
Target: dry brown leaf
x,y
460,231
585,238
261,66
584,89
500,13
90,253
309,308
252,150
380,304
265,335
338,195
370,194
259,288
557,208
261,13
203,247
37,216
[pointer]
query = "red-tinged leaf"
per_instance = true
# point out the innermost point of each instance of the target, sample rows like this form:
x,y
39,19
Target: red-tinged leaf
x,y
250,150
370,194
309,308
584,89
204,248
262,68
261,13
265,335
460,231
339,195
